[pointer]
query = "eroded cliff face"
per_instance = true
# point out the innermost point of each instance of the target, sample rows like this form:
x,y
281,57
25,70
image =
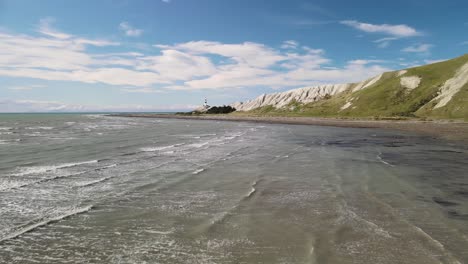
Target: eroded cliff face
x,y
301,95
438,90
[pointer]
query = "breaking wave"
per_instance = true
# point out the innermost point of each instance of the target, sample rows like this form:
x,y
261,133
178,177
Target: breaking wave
x,y
50,168
31,226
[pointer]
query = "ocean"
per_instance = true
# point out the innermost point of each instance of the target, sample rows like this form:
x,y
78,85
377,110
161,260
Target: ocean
x,y
90,188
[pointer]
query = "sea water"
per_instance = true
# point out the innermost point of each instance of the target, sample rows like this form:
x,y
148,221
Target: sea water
x,y
100,189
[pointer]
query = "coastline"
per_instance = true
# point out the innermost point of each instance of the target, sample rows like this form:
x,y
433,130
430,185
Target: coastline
x,y
448,130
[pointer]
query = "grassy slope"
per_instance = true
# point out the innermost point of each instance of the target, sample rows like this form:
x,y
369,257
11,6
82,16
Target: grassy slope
x,y
387,98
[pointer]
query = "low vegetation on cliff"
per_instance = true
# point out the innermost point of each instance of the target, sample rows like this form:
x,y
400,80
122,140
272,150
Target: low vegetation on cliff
x,y
438,91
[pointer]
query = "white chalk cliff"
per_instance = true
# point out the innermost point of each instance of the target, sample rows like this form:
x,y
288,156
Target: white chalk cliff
x,y
301,95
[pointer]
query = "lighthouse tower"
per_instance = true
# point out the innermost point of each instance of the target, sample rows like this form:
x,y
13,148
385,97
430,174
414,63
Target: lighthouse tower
x,y
205,105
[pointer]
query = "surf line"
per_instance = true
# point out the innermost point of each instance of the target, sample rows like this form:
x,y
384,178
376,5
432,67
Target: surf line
x,y
44,221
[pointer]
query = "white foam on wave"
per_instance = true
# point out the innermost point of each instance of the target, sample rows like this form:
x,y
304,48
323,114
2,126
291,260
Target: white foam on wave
x,y
94,116
198,171
39,128
109,166
90,183
159,232
6,128
49,168
21,184
20,230
379,158
198,145
207,135
253,189
437,244
160,148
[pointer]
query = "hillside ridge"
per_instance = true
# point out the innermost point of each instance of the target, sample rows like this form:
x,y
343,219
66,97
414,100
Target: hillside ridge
x,y
438,90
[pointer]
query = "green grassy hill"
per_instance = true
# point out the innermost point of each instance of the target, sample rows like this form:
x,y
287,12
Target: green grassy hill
x,y
438,91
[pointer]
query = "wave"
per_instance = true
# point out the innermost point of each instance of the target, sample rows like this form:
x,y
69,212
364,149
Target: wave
x,y
131,153
253,189
106,167
207,135
20,230
40,128
91,183
221,216
198,171
159,232
50,168
379,158
160,148
198,145
18,186
6,128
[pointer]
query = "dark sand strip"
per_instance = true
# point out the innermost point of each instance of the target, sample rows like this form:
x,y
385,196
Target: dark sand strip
x,y
442,129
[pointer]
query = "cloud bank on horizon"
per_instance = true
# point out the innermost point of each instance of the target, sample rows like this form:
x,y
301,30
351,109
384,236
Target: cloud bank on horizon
x,y
128,68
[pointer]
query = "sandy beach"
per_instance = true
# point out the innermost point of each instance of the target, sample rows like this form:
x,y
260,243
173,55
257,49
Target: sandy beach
x,y
448,130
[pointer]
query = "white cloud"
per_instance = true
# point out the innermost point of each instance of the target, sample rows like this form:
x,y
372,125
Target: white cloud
x,y
129,30
144,90
253,54
26,87
464,43
166,1
290,44
365,62
18,106
45,27
392,30
385,42
56,56
177,65
421,48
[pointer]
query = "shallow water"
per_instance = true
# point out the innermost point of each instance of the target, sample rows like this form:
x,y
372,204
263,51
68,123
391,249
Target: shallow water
x,y
96,189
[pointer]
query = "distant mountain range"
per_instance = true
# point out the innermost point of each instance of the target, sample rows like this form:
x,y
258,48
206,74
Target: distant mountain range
x,y
438,90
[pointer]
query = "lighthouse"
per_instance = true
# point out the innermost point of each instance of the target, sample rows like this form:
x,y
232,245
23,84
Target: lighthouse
x,y
205,105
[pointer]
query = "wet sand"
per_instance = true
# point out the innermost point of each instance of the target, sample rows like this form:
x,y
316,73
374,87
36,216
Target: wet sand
x,y
449,130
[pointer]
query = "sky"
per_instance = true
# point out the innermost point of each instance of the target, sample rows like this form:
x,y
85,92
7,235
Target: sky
x,y
169,55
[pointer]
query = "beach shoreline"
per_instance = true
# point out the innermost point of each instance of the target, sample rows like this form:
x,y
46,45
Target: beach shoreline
x,y
448,130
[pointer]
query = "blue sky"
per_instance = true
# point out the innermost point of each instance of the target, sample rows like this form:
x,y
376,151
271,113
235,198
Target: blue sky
x,y
130,55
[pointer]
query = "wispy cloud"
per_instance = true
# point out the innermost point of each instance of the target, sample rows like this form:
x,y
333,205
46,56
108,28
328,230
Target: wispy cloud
x,y
166,1
464,43
420,48
392,30
129,30
290,44
385,42
26,87
145,90
365,62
